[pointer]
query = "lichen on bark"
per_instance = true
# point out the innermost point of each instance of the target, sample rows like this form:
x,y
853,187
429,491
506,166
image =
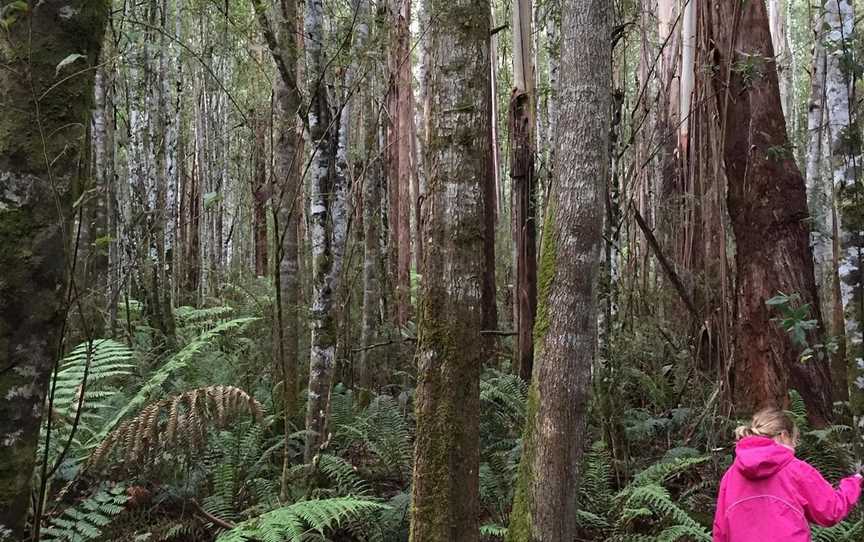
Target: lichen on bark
x,y
45,98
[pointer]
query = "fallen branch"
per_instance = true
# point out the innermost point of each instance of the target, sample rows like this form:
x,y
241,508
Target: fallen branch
x,y
666,264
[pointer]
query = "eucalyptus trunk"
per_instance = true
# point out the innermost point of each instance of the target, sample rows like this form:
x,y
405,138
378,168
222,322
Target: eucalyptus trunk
x,y
450,350
844,161
768,209
565,334
522,171
42,142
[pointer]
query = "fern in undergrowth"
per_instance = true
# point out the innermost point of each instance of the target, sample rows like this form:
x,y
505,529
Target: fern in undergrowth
x,y
180,420
86,519
105,363
842,532
174,364
295,523
344,476
645,509
377,437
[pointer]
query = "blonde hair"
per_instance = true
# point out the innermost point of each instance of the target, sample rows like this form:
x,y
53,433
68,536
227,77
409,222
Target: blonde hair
x,y
769,422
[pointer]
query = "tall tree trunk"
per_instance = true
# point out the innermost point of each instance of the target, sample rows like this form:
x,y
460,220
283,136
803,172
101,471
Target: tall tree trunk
x,y
372,177
522,152
260,194
544,509
322,322
399,159
783,56
445,491
282,32
844,161
768,208
42,141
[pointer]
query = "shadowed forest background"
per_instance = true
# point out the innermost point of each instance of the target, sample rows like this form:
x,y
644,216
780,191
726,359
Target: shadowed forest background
x,y
442,270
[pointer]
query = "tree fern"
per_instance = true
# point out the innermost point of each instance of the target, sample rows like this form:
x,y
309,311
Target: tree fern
x,y
296,522
85,520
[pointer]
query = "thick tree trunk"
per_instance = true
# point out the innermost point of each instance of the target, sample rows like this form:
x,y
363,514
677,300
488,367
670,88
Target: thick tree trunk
x,y
445,491
768,208
566,331
41,143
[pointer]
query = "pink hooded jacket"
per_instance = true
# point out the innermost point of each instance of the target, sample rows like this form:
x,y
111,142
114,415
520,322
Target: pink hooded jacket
x,y
769,495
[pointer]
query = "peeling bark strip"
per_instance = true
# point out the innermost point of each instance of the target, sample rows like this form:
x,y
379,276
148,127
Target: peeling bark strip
x,y
566,330
41,124
768,208
450,354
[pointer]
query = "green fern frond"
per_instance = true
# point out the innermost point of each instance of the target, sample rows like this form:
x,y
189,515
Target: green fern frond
x,y
175,363
85,520
292,523
344,475
178,420
103,361
493,530
659,473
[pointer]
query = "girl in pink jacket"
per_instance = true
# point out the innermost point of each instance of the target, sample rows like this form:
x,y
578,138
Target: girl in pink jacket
x,y
768,495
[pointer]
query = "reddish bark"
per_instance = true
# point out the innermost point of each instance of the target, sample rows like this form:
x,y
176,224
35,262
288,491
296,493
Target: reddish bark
x,y
400,166
768,209
524,226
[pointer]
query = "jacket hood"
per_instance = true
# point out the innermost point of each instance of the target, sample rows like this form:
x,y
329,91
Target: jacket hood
x,y
761,457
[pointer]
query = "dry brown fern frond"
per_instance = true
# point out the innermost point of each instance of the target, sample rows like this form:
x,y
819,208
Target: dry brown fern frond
x,y
178,421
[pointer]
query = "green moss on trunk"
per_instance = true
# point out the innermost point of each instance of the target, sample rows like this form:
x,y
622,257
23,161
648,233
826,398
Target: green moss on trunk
x,y
49,92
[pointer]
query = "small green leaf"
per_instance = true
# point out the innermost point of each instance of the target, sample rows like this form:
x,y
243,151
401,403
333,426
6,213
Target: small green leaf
x,y
74,57
212,199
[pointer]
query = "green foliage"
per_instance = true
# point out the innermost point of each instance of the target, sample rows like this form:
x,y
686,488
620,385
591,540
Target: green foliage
x,y
175,363
86,519
795,320
302,521
842,532
645,509
106,364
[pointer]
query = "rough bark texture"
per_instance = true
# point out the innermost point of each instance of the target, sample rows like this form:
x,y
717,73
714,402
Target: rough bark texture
x,y
286,189
843,141
42,138
445,492
768,209
522,151
566,331
399,172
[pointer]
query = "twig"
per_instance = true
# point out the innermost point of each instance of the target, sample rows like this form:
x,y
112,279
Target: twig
x,y
385,343
665,264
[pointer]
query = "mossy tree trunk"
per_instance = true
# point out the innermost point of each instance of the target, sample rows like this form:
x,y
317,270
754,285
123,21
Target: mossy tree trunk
x,y
566,330
450,349
281,28
46,92
768,209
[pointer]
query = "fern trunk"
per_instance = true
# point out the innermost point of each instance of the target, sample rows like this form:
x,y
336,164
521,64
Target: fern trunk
x,y
566,330
450,354
42,141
